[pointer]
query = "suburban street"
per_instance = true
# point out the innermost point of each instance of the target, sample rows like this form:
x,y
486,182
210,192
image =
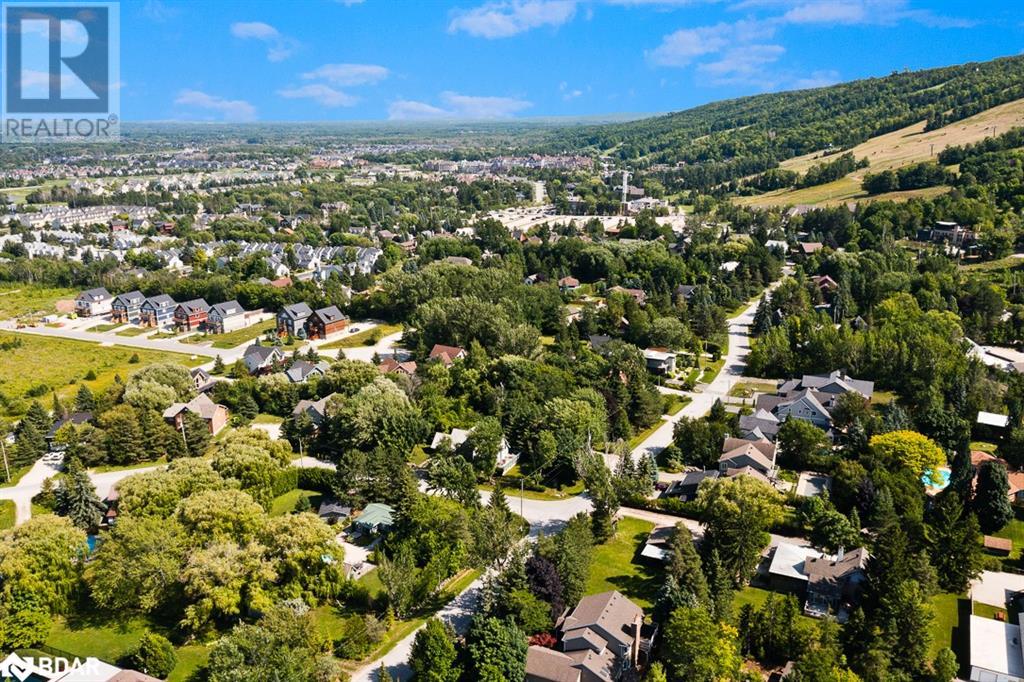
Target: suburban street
x,y
701,402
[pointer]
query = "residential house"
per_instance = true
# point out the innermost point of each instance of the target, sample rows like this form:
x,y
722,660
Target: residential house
x,y
504,461
738,453
375,519
811,398
261,359
458,260
446,354
393,366
660,360
829,584
157,311
638,295
291,320
302,370
995,650
685,291
835,382
568,284
201,379
332,511
824,283
75,419
808,248
127,307
600,639
687,487
96,301
656,546
1014,477
191,315
226,317
215,415
324,322
316,410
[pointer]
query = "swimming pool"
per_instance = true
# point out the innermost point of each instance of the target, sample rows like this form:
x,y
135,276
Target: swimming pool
x,y
942,474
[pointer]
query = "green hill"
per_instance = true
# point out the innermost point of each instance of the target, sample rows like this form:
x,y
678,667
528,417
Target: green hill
x,y
726,140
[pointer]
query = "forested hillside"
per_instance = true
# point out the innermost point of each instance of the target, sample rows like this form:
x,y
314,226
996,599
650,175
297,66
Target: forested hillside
x,y
735,138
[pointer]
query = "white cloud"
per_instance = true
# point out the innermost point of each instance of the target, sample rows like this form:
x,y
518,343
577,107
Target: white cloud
x,y
229,109
254,29
324,95
685,45
279,46
828,12
743,64
504,19
458,107
569,93
817,79
348,74
411,110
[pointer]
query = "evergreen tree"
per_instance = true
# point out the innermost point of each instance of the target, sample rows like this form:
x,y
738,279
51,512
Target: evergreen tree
x,y
30,444
58,409
683,565
84,400
956,543
763,316
433,655
991,497
498,501
196,434
76,498
720,586
38,417
218,365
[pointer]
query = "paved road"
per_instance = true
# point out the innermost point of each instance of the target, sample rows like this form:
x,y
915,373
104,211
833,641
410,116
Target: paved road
x,y
732,371
31,484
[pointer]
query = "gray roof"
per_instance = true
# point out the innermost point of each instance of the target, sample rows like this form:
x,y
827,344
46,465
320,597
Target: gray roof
x,y
227,309
329,314
131,298
196,305
609,611
94,295
296,311
159,301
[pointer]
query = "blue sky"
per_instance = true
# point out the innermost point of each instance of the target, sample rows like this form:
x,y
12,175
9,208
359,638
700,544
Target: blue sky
x,y
321,60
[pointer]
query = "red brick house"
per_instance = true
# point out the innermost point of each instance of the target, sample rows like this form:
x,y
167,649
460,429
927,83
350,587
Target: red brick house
x,y
191,315
324,322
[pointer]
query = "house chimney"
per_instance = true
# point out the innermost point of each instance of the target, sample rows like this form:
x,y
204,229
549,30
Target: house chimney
x,y
841,554
634,653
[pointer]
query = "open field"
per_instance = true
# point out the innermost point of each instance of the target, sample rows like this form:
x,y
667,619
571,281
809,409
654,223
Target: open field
x,y
617,565
893,150
17,300
285,504
42,364
945,607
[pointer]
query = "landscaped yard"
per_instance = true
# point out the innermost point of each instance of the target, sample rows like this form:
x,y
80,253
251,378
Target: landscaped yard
x,y
134,331
367,337
510,482
45,364
285,504
617,565
110,640
747,389
646,433
102,328
6,514
17,300
128,467
674,403
240,336
1013,531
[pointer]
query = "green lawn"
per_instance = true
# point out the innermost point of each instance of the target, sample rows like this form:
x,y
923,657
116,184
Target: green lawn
x,y
268,419
945,606
747,389
101,328
674,403
134,331
240,336
285,504
128,467
6,514
367,337
1014,531
42,361
646,433
617,564
984,446
17,300
371,581
756,596
510,482
109,641
16,474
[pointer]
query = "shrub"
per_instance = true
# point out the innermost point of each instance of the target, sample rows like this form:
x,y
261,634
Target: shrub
x,y
316,479
91,374
287,479
154,656
134,359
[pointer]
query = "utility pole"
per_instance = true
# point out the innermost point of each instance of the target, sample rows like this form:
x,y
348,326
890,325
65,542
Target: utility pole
x,y
522,484
7,467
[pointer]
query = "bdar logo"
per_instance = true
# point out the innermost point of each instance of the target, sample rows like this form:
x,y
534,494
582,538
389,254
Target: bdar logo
x,y
15,667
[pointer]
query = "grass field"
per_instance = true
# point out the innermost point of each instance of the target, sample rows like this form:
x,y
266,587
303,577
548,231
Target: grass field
x,y
945,607
6,514
102,328
42,361
16,474
617,565
128,467
747,389
240,336
17,300
367,337
893,150
674,403
646,433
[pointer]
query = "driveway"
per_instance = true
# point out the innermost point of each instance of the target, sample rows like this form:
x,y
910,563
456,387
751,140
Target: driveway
x,y
995,589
